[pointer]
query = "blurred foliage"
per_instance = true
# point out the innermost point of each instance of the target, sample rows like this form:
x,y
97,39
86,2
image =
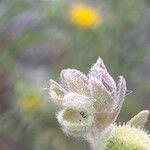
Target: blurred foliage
x,y
38,38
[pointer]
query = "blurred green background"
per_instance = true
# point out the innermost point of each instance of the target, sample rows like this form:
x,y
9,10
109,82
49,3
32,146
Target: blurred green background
x,y
38,40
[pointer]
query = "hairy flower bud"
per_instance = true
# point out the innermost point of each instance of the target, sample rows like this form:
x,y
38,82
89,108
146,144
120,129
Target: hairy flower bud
x,y
76,118
90,106
97,93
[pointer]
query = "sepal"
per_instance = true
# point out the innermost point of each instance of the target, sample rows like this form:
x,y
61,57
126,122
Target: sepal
x,y
140,119
56,92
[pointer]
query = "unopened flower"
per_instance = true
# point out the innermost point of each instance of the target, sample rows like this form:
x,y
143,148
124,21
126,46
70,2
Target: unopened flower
x,y
85,16
89,106
95,95
76,118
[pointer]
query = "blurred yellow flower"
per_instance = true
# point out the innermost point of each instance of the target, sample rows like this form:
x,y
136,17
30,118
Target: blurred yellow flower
x,y
31,102
85,16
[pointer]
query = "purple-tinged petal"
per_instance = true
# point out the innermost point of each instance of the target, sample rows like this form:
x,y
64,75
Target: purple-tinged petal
x,y
75,80
100,72
100,95
98,69
108,82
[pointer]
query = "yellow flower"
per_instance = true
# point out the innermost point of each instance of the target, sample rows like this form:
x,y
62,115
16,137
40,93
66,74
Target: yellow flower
x,y
85,16
31,102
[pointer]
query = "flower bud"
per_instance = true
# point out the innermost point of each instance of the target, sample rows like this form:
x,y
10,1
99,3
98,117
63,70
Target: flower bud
x,y
140,119
75,80
76,118
56,92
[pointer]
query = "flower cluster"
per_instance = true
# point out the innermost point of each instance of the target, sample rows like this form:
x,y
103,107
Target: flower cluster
x,y
86,102
85,16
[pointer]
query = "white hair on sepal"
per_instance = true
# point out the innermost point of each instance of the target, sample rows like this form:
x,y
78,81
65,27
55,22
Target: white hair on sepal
x,y
128,92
